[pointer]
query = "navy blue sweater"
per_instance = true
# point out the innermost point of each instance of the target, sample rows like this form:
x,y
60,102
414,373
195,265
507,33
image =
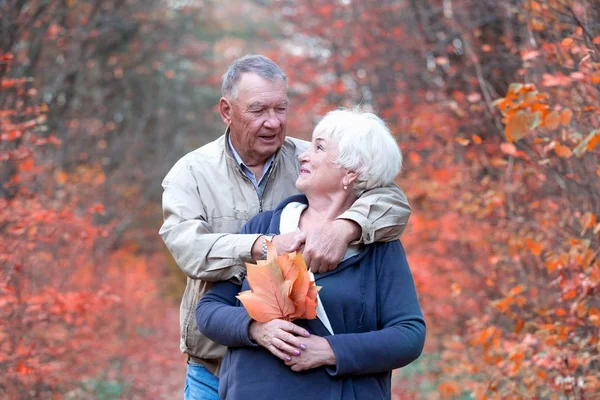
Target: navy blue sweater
x,y
372,305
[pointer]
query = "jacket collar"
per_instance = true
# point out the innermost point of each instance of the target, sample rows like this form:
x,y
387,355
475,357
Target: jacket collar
x,y
232,158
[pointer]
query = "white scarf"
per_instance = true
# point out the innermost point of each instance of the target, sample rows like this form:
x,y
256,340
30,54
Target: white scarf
x,y
290,217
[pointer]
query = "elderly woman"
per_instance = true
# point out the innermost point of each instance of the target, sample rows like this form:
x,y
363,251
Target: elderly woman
x,y
370,321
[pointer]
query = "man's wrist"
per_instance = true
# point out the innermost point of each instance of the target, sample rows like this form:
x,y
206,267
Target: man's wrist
x,y
264,249
351,230
257,248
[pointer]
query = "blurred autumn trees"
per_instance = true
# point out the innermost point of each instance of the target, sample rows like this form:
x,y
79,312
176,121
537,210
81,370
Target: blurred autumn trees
x,y
496,108
94,110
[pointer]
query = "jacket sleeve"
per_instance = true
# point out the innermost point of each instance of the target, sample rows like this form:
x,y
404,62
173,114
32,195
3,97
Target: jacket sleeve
x,y
382,213
199,252
219,319
401,337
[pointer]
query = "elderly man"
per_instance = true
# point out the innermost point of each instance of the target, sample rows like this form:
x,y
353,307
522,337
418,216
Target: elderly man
x,y
213,191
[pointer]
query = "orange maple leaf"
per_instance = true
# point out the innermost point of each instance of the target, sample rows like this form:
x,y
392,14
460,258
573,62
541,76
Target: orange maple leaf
x,y
280,287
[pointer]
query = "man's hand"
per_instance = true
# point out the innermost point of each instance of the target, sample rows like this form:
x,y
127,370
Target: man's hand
x,y
285,243
289,242
318,353
279,337
326,246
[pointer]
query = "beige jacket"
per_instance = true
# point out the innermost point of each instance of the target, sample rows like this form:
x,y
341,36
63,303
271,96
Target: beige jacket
x,y
206,201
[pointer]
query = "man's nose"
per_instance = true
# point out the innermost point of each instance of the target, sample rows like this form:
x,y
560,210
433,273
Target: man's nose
x,y
272,120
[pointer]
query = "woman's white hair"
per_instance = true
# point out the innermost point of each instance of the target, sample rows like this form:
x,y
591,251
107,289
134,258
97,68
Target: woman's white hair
x,y
365,146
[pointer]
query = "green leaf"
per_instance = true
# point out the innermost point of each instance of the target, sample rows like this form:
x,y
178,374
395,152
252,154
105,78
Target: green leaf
x,y
582,146
515,87
536,120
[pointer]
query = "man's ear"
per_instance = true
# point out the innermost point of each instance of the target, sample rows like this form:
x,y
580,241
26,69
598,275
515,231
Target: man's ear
x,y
225,109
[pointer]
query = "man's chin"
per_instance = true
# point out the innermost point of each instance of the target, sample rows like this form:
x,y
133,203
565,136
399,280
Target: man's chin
x,y
268,150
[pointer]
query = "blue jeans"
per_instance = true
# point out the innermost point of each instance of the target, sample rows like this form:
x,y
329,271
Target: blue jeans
x,y
200,384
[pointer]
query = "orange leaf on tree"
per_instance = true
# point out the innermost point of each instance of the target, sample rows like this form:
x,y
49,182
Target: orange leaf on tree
x,y
567,42
562,151
552,120
23,369
594,316
508,148
588,220
561,312
517,127
519,326
26,165
449,388
565,116
535,247
569,295
592,143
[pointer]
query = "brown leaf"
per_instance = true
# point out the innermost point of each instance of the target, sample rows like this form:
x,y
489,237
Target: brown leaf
x,y
552,120
517,126
565,116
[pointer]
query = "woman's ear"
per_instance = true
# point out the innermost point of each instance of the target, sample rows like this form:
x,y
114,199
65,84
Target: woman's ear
x,y
349,178
225,110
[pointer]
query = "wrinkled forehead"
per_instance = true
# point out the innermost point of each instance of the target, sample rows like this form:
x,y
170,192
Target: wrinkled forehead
x,y
254,88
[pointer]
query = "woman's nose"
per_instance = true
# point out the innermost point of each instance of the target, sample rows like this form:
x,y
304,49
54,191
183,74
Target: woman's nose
x,y
303,156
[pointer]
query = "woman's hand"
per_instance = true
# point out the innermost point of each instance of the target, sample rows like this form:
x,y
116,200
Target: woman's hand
x,y
318,353
279,337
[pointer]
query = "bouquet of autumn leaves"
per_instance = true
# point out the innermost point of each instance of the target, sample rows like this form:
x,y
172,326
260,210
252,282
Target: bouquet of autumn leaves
x,y
280,288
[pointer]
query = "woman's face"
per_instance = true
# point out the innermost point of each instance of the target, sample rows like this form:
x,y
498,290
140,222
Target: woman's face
x,y
319,173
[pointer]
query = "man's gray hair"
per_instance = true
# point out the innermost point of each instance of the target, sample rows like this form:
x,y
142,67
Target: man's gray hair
x,y
365,145
256,63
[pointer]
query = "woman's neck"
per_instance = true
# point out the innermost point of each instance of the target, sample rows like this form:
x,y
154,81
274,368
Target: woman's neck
x,y
328,207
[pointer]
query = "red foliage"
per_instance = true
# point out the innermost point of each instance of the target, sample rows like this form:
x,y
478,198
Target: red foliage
x,y
503,241
503,179
72,310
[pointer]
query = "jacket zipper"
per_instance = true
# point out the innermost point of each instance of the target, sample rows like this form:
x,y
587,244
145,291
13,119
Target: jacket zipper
x,y
270,172
260,203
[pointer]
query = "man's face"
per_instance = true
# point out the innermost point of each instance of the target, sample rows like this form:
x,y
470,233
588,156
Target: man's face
x,y
257,117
